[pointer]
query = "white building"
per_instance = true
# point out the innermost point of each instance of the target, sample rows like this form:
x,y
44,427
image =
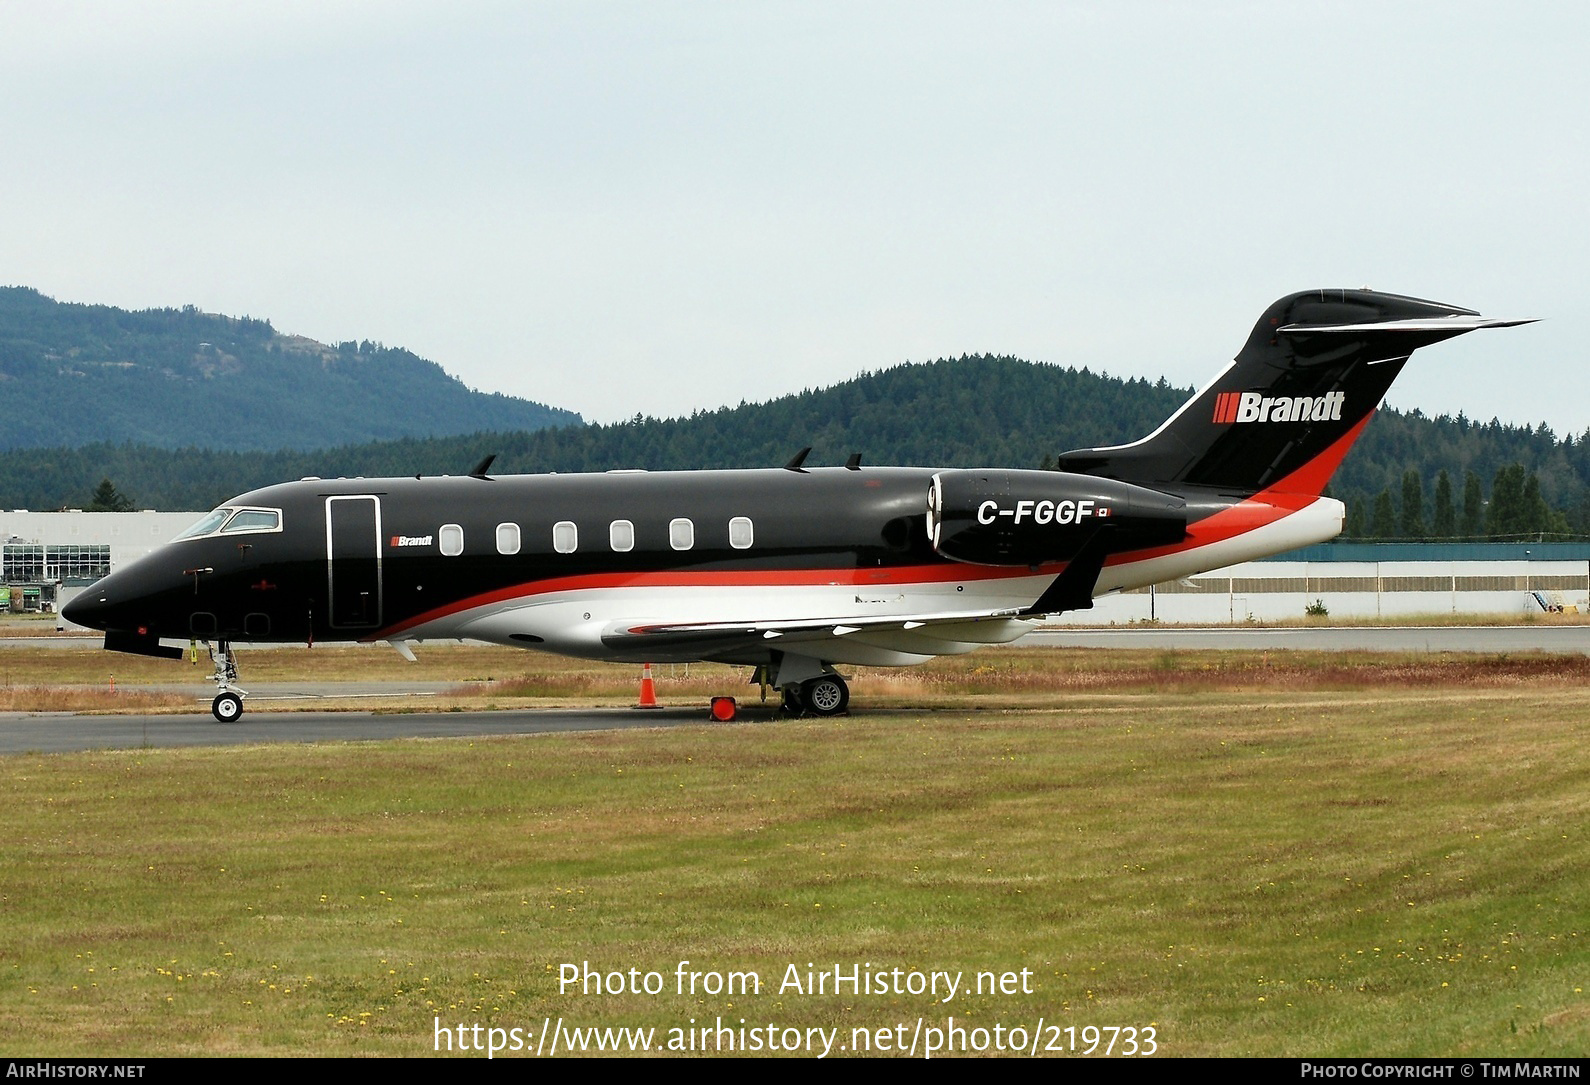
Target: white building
x,y
1365,580
47,557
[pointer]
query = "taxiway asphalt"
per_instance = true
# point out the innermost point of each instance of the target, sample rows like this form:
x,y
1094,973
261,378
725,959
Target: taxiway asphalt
x,y
60,732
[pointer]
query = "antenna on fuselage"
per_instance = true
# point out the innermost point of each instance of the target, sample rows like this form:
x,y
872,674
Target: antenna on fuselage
x,y
854,462
482,467
799,458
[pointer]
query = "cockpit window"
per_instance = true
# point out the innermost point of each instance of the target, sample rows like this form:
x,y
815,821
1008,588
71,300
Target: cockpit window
x,y
236,521
253,520
207,526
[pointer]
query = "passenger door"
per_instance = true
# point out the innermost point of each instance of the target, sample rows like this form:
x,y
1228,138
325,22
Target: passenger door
x,y
353,561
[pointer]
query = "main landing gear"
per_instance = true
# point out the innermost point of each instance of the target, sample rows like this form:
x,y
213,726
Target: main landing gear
x,y
807,685
825,695
228,703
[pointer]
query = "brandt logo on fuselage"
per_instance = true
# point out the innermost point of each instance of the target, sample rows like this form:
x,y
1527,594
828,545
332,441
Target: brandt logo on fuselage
x,y
412,540
1252,407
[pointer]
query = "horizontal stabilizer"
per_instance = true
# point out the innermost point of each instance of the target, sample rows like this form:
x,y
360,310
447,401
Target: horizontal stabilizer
x,y
1454,324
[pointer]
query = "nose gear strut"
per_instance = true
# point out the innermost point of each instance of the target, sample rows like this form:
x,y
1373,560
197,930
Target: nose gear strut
x,y
228,703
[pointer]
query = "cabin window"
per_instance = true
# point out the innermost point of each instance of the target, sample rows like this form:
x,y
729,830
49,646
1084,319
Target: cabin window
x,y
621,536
565,537
450,537
507,538
681,534
740,533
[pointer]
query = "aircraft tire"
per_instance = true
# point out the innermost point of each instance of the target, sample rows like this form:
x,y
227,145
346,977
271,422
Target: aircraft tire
x,y
226,707
826,696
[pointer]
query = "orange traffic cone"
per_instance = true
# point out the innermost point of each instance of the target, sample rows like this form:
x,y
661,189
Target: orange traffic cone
x,y
648,689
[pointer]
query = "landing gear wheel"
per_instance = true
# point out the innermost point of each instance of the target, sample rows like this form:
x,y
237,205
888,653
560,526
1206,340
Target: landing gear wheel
x,y
826,696
792,705
228,703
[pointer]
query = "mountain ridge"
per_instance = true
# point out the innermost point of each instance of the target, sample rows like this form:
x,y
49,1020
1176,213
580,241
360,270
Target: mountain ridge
x,y
174,377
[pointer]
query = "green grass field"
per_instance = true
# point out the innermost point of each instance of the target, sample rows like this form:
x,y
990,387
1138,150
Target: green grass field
x,y
1249,855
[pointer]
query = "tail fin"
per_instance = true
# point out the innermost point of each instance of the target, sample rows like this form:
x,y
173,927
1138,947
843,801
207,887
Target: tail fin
x,y
1293,401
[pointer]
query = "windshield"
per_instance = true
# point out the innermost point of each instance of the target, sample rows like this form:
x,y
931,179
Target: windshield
x,y
237,521
206,526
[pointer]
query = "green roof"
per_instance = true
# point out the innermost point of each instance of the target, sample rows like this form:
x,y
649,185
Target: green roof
x,y
1439,551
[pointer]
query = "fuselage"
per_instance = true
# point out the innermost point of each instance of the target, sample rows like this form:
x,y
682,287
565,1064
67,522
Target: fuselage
x,y
587,564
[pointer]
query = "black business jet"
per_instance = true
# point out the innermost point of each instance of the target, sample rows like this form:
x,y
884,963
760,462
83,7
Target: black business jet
x,y
788,570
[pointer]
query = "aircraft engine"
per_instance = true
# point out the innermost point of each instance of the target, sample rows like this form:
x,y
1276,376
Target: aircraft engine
x,y
1032,517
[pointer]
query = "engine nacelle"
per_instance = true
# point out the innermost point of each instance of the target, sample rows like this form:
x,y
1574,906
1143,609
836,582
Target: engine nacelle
x,y
1032,517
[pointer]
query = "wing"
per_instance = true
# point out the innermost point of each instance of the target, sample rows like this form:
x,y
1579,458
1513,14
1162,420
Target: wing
x,y
873,640
892,640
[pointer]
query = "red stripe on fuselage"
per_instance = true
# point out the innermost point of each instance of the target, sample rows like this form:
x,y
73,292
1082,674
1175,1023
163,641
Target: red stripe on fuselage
x,y
948,572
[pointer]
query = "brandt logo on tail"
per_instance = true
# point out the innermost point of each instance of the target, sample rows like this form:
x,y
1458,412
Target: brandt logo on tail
x,y
1252,407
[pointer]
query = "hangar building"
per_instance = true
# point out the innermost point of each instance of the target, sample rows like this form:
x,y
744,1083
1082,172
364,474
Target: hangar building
x,y
48,557
1366,580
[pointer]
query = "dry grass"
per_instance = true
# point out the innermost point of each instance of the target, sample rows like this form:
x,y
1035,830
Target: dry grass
x,y
1038,670
67,699
472,677
88,664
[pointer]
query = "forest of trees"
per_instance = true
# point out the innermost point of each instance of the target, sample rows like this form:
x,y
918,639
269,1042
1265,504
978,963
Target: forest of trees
x,y
1514,510
1409,477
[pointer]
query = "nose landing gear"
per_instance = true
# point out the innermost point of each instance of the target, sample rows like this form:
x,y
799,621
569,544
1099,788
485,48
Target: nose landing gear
x,y
226,707
228,703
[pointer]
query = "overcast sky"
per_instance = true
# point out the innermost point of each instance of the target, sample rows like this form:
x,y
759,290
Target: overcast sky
x,y
659,207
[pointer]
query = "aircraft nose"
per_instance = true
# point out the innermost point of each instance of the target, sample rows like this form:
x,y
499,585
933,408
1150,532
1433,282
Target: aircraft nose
x,y
131,598
89,609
